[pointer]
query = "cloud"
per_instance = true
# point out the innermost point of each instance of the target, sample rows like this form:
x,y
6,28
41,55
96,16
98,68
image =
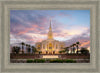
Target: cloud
x,y
31,26
84,40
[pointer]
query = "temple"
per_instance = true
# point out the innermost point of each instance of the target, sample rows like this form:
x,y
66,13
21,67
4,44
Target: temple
x,y
50,45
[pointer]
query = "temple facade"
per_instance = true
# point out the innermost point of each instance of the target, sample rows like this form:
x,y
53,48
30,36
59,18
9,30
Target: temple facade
x,y
50,45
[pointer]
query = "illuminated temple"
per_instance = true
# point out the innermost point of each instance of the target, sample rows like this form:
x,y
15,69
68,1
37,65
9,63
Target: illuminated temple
x,y
50,45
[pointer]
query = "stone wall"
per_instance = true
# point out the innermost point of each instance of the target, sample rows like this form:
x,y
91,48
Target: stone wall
x,y
75,56
37,56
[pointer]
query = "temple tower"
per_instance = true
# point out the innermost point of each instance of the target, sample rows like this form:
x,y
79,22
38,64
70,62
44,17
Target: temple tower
x,y
50,34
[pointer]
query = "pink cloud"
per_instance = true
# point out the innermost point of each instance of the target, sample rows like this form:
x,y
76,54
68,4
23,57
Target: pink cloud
x,y
85,44
33,28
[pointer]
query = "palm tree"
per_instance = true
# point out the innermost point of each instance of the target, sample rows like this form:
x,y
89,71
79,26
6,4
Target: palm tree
x,y
27,48
33,49
77,46
13,49
73,48
22,47
67,49
16,49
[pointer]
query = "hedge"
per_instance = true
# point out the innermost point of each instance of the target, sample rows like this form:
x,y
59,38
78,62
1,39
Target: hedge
x,y
39,60
51,61
29,61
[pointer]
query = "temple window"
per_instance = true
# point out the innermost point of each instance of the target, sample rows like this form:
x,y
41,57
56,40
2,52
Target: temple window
x,y
61,46
50,46
38,46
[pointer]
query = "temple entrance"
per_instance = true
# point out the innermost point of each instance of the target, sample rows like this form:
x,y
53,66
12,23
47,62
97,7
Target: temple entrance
x,y
50,46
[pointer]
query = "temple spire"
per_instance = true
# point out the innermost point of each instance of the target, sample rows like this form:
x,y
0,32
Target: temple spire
x,y
50,23
50,36
50,29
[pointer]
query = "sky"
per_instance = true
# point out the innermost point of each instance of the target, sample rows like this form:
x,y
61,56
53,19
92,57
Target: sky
x,y
31,26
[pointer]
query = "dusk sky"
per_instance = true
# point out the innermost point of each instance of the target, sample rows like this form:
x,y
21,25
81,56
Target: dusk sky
x,y
31,26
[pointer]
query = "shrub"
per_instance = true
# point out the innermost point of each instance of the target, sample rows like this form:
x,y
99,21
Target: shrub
x,y
29,61
39,60
70,61
56,61
51,61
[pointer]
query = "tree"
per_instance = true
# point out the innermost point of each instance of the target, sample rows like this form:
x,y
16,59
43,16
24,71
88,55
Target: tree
x,y
62,51
22,47
33,49
13,49
73,48
16,49
66,49
84,50
40,52
77,46
29,49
